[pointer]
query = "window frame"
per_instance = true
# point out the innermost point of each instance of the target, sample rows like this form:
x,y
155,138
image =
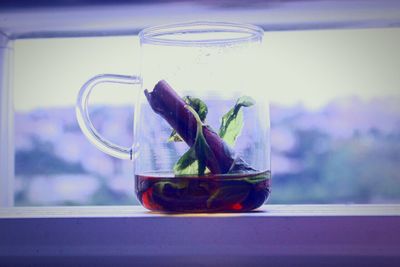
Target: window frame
x,y
57,231
6,123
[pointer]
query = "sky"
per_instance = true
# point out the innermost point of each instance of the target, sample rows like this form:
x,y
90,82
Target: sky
x,y
307,67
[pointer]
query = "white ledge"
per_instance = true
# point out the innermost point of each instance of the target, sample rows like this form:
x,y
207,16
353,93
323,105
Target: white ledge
x,y
138,211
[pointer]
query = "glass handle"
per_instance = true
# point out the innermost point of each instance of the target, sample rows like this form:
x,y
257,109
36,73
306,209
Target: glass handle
x,y
82,114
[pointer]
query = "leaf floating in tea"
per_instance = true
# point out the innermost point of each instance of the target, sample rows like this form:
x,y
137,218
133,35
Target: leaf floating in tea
x,y
234,193
163,186
258,178
214,193
232,121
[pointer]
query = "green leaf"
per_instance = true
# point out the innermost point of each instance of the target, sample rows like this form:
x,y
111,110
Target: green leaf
x,y
201,109
229,194
198,105
174,137
197,155
245,101
232,121
258,178
231,126
187,164
178,185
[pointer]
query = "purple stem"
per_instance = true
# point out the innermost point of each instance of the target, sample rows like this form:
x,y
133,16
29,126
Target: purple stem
x,y
169,105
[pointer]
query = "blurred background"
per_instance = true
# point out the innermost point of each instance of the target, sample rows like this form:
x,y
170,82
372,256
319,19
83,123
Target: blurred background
x,y
334,108
331,74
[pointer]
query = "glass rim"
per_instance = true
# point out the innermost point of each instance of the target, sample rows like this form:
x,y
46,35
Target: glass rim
x,y
157,34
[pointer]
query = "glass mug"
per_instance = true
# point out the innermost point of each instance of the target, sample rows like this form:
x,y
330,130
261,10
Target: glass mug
x,y
201,119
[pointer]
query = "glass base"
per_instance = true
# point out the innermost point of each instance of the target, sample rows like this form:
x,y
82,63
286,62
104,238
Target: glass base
x,y
165,192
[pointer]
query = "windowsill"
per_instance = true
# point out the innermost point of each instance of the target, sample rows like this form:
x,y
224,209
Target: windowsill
x,y
281,234
140,212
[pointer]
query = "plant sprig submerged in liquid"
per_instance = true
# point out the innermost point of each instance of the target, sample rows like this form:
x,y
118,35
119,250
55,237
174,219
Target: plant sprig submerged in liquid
x,y
194,160
209,177
211,193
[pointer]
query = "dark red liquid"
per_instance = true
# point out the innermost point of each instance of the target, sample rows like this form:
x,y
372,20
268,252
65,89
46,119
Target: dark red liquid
x,y
211,193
